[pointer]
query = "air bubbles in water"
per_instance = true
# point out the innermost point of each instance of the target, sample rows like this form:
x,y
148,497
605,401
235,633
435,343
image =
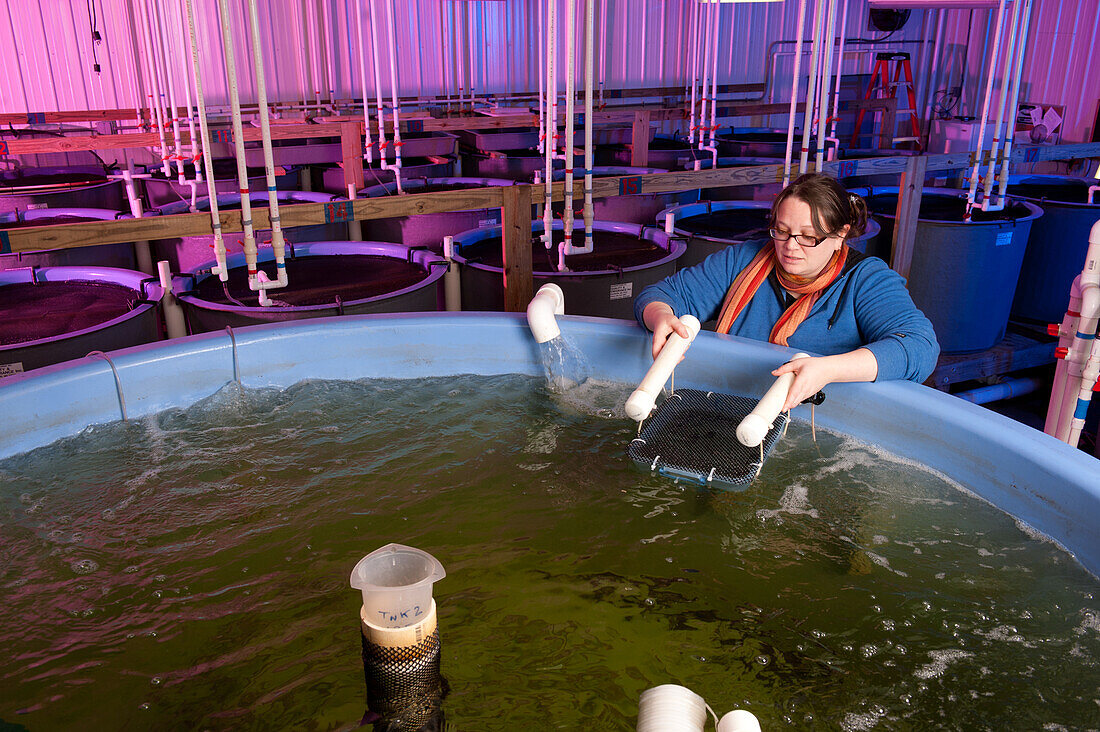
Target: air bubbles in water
x,y
84,566
563,363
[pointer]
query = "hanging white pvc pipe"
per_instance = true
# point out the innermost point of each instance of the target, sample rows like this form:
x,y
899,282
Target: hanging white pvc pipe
x,y
694,69
196,141
826,72
378,88
220,269
367,142
589,63
794,90
238,141
706,73
980,147
603,48
393,90
315,72
278,243
566,247
711,146
161,42
154,96
299,58
329,55
542,80
836,89
551,128
1083,356
1006,90
1065,332
811,93
1014,101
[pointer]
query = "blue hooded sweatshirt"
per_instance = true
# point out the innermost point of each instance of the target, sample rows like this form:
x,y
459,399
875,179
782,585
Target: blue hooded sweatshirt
x,y
866,306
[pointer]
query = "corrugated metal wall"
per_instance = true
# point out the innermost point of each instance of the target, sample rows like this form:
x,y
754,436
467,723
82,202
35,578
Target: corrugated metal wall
x,y
311,46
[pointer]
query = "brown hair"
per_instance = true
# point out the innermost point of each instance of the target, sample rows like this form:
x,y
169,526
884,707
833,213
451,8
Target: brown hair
x,y
831,206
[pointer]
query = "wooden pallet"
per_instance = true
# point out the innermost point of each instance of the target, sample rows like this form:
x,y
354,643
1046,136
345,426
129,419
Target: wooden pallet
x,y
1023,347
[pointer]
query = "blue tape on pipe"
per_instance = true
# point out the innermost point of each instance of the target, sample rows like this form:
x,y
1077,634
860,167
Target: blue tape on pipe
x,y
338,212
1085,336
1082,408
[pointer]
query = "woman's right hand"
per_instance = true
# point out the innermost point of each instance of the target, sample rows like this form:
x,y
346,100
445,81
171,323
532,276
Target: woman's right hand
x,y
660,319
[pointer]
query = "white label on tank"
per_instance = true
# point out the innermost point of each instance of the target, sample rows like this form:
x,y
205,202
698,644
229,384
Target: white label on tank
x,y
487,222
622,291
33,206
1004,238
10,369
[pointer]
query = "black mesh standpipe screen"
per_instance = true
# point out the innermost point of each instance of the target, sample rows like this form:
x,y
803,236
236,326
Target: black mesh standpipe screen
x,y
693,436
404,684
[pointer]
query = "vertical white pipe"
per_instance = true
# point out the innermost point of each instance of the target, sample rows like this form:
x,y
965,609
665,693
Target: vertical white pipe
x,y
1066,333
1014,102
603,48
329,55
839,75
299,58
238,141
811,93
367,141
694,68
377,86
196,142
161,41
551,128
794,89
542,79
315,71
278,243
979,148
396,107
1006,90
706,72
220,269
154,96
570,115
826,71
714,84
589,79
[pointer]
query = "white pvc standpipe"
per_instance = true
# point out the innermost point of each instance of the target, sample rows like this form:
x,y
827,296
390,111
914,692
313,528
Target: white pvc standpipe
x,y
1006,83
1083,358
367,141
708,34
155,87
196,141
694,69
161,41
794,89
278,244
393,90
378,89
972,194
711,146
1066,332
452,280
1014,101
811,92
570,114
839,75
542,78
551,128
589,64
250,257
826,72
221,269
175,322
642,401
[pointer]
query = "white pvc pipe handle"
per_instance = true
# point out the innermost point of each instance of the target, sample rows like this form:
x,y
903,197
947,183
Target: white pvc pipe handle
x,y
644,398
739,720
754,427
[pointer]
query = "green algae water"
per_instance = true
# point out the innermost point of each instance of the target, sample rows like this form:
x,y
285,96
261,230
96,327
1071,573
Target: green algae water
x,y
190,571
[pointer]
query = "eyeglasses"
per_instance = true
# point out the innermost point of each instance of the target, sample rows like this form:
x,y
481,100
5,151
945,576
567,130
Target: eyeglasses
x,y
803,239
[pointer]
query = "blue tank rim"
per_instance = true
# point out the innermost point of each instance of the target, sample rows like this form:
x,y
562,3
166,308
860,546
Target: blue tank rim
x,y
1044,483
672,245
148,286
431,262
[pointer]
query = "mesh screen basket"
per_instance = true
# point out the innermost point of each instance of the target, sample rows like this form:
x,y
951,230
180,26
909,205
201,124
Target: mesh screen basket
x,y
692,436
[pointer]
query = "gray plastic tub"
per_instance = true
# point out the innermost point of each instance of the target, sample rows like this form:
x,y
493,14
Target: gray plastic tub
x,y
607,292
57,327
428,230
188,252
105,255
347,277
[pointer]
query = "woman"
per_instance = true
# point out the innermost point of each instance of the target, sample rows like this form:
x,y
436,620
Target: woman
x,y
805,288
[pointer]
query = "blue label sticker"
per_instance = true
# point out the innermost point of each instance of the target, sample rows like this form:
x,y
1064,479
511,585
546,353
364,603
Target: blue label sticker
x,y
5,243
1031,155
338,211
630,186
846,168
225,136
3,147
416,125
36,118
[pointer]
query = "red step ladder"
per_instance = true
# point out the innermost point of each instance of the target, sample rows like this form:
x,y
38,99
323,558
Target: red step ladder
x,y
882,72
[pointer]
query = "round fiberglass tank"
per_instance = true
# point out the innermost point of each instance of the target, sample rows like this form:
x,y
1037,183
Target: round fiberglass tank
x,y
711,226
666,153
54,314
765,191
515,165
185,253
428,230
332,177
625,259
23,189
632,208
325,278
1057,245
120,256
962,275
161,191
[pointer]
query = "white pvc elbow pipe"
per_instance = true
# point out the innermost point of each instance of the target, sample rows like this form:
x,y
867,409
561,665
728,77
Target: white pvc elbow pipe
x,y
641,403
754,427
739,720
548,302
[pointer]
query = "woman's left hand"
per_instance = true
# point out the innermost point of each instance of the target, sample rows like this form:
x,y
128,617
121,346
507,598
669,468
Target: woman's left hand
x,y
813,373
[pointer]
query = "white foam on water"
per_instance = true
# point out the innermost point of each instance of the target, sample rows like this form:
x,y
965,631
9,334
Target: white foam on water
x,y
795,500
543,441
884,563
940,661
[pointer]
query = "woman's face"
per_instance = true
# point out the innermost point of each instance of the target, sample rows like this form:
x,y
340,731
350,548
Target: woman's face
x,y
794,216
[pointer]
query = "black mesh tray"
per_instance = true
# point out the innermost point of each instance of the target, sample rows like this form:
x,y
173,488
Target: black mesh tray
x,y
692,436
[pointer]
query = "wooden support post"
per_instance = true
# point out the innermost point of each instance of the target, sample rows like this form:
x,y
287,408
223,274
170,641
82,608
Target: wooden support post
x,y
905,223
639,140
515,216
351,150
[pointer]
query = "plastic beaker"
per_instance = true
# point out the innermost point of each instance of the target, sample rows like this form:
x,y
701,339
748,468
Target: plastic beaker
x,y
396,582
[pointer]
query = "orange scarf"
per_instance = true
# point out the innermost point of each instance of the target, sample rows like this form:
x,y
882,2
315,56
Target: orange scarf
x,y
808,289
